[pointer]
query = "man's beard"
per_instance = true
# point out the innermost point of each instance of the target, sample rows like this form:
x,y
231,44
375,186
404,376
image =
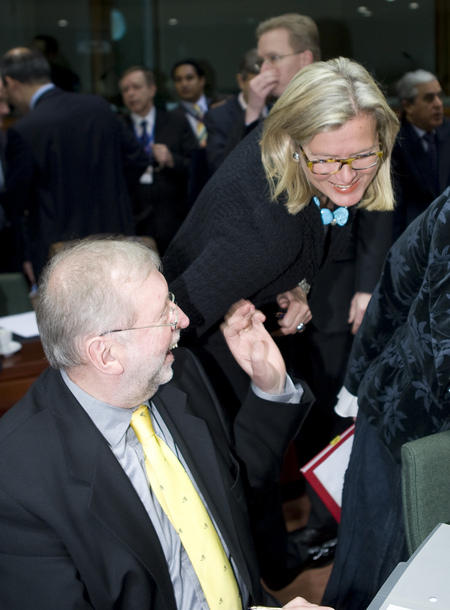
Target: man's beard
x,y
143,380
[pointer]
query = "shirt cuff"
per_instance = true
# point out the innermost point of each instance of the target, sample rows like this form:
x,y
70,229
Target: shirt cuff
x,y
347,404
293,392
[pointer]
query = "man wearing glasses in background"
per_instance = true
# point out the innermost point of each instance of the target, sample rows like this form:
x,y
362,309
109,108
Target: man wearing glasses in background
x,y
285,45
87,512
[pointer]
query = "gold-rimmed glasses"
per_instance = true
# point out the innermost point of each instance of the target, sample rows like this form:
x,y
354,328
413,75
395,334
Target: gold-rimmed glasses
x,y
172,319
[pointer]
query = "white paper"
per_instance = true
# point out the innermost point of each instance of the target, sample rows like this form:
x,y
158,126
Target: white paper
x,y
332,470
147,176
23,324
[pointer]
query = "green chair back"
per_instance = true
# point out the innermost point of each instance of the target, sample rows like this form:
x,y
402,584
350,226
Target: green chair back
x,y
425,486
14,294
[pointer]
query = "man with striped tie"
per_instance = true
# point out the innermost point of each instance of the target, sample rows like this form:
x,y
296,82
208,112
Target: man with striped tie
x,y
189,80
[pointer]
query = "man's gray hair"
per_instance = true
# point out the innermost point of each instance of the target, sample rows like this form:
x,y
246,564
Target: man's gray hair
x,y
80,294
407,86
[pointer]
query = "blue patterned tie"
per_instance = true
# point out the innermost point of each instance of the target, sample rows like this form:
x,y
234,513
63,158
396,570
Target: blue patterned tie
x,y
146,139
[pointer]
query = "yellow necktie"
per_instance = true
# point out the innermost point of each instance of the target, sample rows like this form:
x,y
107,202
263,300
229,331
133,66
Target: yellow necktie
x,y
186,511
202,134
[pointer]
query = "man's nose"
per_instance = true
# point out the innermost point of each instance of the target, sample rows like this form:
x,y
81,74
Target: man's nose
x,y
183,320
266,65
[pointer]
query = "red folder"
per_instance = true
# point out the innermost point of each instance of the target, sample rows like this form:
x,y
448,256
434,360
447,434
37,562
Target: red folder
x,y
326,471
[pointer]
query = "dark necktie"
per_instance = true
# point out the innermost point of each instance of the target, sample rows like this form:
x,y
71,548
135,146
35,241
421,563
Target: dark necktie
x,y
145,138
430,138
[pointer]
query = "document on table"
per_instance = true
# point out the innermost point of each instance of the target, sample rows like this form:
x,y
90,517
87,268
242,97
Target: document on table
x,y
23,324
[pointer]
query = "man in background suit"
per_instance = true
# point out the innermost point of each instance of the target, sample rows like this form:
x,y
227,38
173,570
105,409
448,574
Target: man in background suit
x,y
80,524
4,110
421,156
70,160
160,201
189,79
6,236
223,121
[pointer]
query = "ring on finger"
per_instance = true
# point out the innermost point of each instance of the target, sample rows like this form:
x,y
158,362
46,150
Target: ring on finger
x,y
301,327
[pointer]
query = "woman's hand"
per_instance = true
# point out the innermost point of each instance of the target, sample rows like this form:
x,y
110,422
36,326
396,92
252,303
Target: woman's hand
x,y
294,311
358,308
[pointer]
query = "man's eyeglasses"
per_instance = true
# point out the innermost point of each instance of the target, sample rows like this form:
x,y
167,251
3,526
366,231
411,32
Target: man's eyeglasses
x,y
171,319
326,167
272,60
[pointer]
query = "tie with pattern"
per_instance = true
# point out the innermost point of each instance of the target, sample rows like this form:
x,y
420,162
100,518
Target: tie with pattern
x,y
201,132
146,139
186,511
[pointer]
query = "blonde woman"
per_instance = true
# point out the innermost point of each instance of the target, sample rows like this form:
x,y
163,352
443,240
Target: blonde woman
x,y
297,204
326,144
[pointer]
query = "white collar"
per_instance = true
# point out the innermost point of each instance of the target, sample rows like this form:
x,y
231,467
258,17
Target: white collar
x,y
202,102
149,117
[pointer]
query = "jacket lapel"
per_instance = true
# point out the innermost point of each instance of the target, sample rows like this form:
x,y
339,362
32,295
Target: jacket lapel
x,y
192,436
443,139
418,159
113,500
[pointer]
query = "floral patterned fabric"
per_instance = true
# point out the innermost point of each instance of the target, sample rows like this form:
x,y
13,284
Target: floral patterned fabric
x,y
400,369
400,362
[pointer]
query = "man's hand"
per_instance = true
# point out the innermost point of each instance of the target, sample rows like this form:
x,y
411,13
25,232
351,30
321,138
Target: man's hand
x,y
260,88
294,310
253,348
163,155
299,603
358,308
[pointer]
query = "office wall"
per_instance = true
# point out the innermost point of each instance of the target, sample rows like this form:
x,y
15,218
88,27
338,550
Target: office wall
x,y
100,38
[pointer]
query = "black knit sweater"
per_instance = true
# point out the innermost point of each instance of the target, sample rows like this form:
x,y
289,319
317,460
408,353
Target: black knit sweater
x,y
237,243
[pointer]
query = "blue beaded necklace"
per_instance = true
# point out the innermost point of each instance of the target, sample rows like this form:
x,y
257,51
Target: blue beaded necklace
x,y
338,217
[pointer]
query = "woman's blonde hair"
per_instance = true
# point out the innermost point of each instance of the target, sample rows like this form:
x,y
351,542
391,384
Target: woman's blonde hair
x,y
322,97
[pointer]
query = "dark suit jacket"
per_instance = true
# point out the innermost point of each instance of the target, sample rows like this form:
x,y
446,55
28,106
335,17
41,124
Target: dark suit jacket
x,y
159,208
200,172
222,123
70,162
2,147
357,268
8,249
3,169
414,188
74,533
